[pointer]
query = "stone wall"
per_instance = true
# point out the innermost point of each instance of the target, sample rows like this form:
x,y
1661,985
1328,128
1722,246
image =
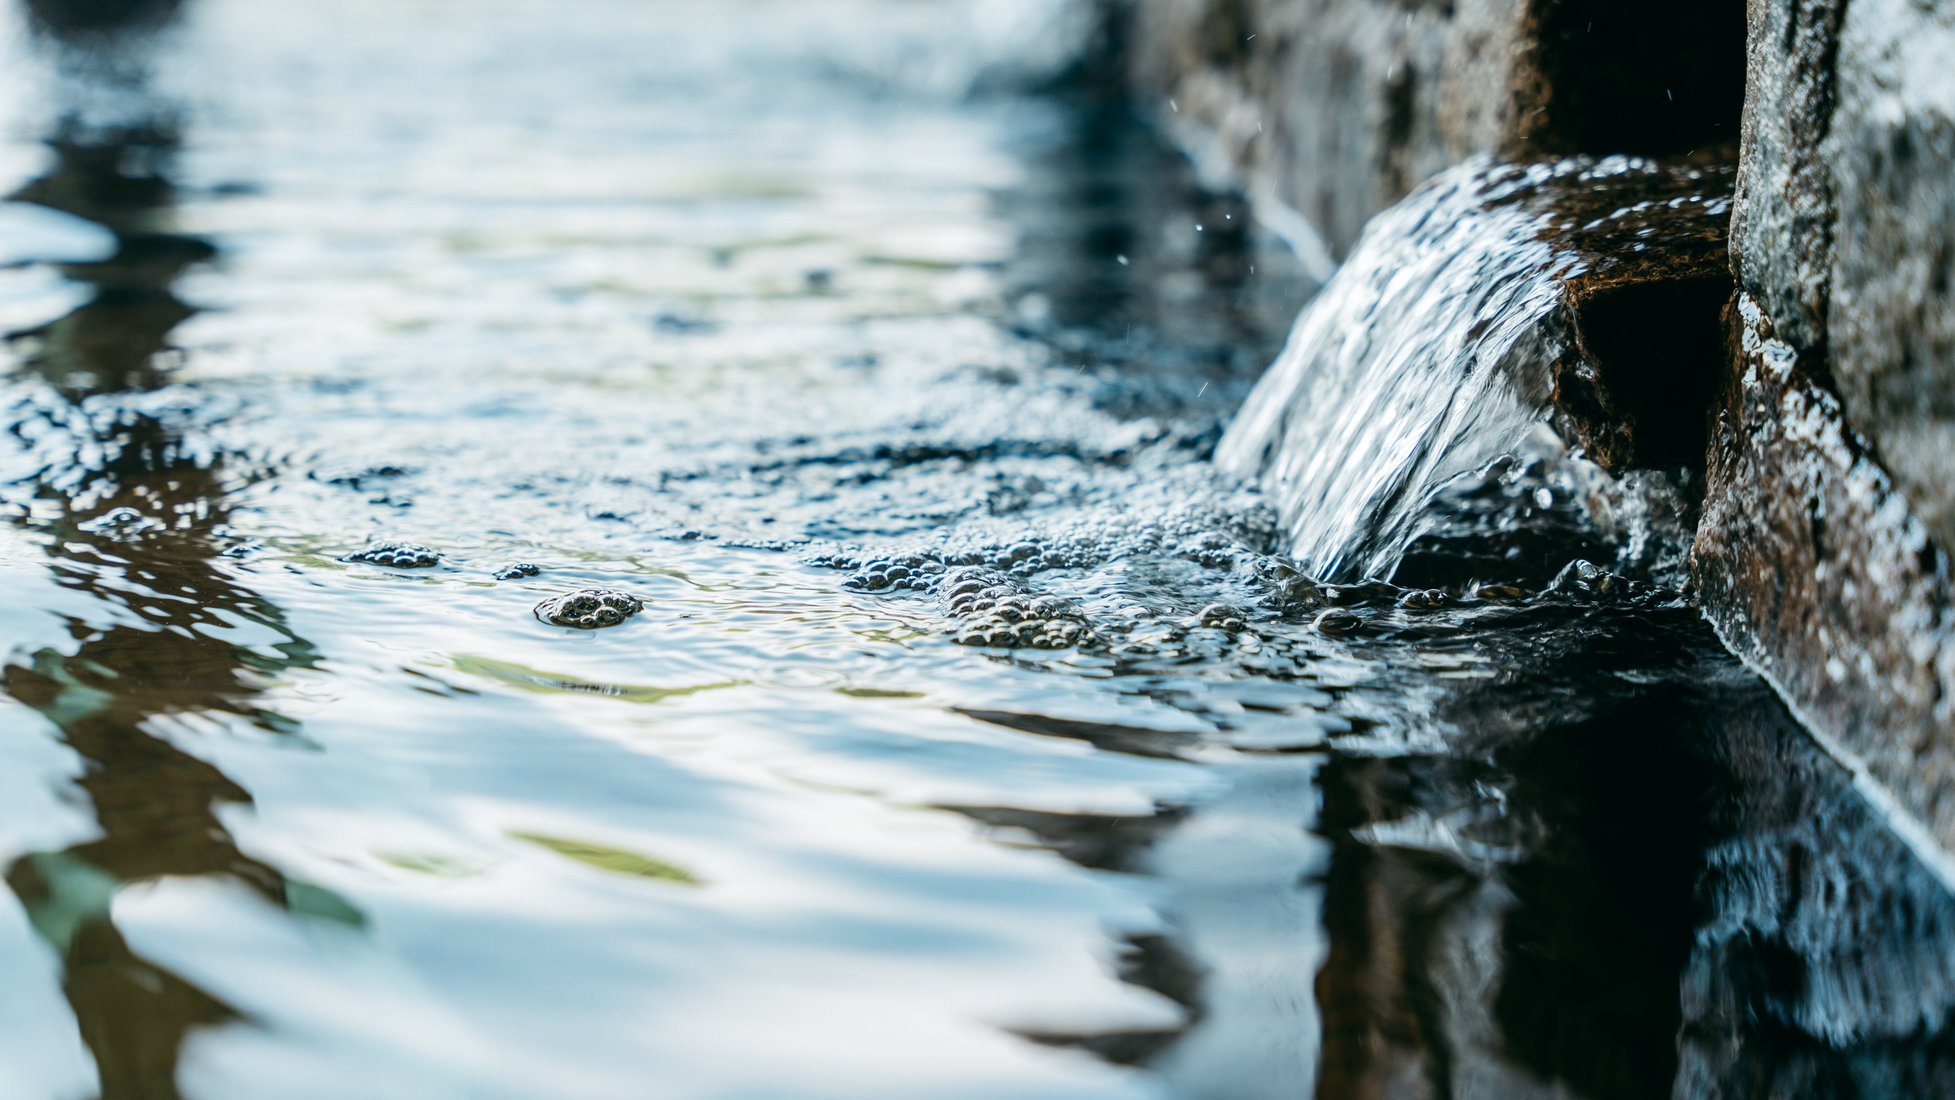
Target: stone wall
x,y
1846,225
1830,501
1395,94
1811,566
1334,109
1829,482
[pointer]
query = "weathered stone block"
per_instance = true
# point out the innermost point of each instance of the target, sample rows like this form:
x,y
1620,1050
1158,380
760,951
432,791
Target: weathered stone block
x,y
1831,500
1845,227
1891,320
1811,565
1782,226
1332,108
1335,109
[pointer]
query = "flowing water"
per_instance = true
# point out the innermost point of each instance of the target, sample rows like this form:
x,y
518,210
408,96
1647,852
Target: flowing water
x,y
974,738
1393,384
1419,396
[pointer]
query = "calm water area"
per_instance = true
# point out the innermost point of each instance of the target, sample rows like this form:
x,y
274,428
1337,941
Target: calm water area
x,y
774,314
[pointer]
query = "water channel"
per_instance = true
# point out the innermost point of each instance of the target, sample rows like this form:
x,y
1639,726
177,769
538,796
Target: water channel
x,y
795,319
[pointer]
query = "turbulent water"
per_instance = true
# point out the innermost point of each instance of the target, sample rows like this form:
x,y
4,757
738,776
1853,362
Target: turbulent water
x,y
1442,391
1395,381
974,738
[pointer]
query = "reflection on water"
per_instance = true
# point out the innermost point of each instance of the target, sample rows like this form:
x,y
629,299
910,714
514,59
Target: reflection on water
x,y
112,343
89,22
559,284
130,503
1630,875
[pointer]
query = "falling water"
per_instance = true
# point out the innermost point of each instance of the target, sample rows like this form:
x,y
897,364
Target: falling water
x,y
1421,361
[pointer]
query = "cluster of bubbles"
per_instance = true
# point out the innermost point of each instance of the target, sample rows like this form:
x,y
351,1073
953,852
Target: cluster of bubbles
x,y
584,608
589,608
990,609
396,555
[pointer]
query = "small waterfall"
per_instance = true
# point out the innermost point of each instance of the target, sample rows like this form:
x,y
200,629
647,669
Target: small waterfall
x,y
1422,360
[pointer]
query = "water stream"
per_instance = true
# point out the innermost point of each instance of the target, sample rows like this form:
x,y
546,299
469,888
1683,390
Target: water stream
x,y
978,738
1398,380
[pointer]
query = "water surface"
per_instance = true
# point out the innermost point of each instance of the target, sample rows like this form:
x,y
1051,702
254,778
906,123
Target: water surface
x,y
719,305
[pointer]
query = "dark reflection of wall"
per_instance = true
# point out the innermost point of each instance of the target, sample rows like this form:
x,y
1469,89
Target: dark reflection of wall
x,y
1397,920
118,534
1655,885
1632,876
132,504
1603,912
1825,966
1104,842
85,19
111,344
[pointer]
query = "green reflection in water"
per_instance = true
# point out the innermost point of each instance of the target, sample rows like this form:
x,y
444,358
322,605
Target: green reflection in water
x,y
134,503
618,861
424,864
309,900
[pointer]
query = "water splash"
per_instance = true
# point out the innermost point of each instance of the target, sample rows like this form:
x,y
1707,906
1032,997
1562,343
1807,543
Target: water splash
x,y
1403,374
1499,320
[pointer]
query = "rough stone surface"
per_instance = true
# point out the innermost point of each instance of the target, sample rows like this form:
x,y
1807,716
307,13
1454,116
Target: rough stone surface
x,y
1830,499
1844,230
1891,320
1335,109
1640,311
1809,562
1782,224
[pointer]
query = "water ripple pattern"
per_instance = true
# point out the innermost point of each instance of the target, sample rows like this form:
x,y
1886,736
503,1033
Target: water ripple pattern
x,y
971,737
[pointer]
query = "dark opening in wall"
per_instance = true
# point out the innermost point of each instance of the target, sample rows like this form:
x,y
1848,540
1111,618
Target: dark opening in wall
x,y
1655,78
1658,348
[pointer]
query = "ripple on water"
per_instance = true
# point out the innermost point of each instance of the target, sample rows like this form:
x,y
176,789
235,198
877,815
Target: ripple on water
x,y
794,363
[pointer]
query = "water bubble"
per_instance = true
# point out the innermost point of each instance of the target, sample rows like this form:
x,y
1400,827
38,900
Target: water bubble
x,y
589,608
398,555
